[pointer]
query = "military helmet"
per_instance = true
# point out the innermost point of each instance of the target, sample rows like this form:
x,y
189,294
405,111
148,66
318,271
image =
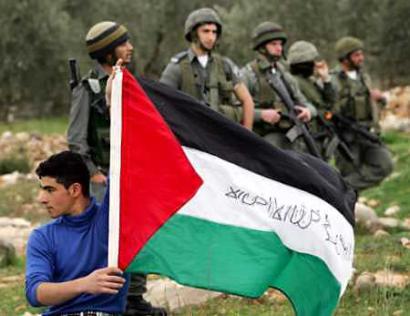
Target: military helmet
x,y
201,16
347,45
103,37
267,31
302,52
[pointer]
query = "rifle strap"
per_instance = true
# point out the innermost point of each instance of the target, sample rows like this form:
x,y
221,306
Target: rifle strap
x,y
278,85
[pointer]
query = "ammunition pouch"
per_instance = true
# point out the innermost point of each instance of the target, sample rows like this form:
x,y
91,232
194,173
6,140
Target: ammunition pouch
x,y
361,107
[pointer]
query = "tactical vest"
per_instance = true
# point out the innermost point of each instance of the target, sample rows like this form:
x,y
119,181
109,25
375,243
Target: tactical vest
x,y
311,92
268,99
218,87
266,95
354,98
98,137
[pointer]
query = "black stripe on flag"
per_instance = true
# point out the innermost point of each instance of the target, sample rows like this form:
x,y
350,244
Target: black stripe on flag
x,y
197,126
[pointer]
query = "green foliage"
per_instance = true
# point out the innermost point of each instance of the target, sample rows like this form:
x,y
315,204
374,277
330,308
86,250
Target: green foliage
x,y
11,164
39,36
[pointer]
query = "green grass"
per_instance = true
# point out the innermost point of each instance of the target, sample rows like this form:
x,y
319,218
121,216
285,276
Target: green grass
x,y
234,306
395,190
42,126
12,297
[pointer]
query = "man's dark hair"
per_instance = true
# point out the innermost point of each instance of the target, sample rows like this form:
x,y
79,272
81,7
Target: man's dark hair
x,y
66,168
104,60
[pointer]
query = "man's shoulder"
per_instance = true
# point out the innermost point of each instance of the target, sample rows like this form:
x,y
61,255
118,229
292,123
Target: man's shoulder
x,y
336,71
177,58
52,224
43,233
229,66
93,81
249,67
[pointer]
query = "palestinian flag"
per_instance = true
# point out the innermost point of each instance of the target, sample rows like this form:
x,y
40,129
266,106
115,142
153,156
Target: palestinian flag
x,y
209,204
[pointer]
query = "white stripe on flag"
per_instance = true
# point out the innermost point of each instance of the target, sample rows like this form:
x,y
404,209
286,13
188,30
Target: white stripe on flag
x,y
115,169
235,196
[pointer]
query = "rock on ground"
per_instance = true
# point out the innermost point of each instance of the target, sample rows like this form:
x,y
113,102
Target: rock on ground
x,y
169,294
15,231
366,216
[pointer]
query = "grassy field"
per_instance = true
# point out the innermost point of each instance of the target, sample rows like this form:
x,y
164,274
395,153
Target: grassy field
x,y
42,126
371,254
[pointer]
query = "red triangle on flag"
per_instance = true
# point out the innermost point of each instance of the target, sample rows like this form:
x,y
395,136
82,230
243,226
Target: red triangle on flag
x,y
156,177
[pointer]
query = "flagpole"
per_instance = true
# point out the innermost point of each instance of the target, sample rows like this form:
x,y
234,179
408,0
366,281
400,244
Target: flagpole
x,y
115,168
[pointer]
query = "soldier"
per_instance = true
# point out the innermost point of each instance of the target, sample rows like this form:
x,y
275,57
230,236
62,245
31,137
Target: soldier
x,y
357,109
89,128
206,75
312,75
271,120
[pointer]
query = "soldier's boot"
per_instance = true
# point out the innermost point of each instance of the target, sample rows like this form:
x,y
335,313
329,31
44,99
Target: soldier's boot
x,y
138,306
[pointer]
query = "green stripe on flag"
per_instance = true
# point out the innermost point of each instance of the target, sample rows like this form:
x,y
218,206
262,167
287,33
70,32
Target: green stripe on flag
x,y
240,261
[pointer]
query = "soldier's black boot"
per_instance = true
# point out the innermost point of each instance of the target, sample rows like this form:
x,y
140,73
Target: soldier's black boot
x,y
137,306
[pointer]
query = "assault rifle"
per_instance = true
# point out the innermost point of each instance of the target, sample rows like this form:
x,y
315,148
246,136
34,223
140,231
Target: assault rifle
x,y
74,73
299,127
330,132
344,123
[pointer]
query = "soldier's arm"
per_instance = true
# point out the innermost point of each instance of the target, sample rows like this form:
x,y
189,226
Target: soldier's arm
x,y
245,98
78,126
249,79
241,92
171,75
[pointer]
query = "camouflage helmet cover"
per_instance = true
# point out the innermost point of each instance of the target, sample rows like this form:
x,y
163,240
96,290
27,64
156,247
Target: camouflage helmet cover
x,y
267,31
302,52
347,45
201,16
103,37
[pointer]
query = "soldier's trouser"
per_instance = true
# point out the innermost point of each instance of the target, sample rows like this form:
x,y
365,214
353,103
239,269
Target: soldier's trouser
x,y
373,163
280,140
97,190
138,285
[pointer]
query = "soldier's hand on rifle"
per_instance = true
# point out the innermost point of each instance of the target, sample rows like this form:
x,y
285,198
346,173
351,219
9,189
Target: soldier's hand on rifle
x,y
99,178
108,88
303,113
377,95
270,116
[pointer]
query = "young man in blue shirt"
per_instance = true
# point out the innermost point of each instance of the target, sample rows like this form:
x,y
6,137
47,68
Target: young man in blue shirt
x,y
67,258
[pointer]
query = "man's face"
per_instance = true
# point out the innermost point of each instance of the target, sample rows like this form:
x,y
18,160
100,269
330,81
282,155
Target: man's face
x,y
207,36
55,197
124,51
274,48
356,59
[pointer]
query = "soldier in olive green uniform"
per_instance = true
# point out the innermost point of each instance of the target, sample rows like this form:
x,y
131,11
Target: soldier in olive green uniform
x,y
89,128
270,112
315,83
206,75
357,102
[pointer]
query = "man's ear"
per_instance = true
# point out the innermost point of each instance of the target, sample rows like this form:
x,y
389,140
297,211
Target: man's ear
x,y
75,189
110,59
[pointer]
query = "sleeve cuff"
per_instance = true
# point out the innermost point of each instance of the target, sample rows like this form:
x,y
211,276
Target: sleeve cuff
x,y
257,115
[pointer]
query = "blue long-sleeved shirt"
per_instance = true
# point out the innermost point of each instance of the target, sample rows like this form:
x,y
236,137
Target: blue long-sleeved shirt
x,y
68,248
